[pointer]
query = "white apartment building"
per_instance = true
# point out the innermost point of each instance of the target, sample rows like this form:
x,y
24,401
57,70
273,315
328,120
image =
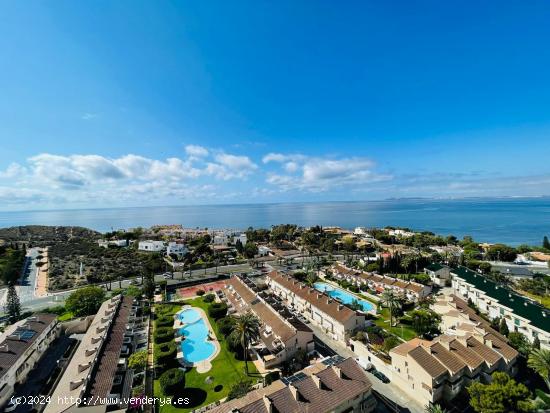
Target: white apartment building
x,y
177,249
334,318
494,300
21,346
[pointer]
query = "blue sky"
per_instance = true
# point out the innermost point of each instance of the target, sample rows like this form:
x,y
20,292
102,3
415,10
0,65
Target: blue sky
x,y
147,103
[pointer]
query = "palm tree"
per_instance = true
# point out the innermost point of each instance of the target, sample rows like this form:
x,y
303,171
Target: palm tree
x,y
435,408
539,360
246,329
391,301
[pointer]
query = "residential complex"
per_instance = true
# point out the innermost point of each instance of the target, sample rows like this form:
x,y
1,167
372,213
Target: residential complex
x,y
439,274
379,283
280,337
21,346
98,370
432,371
494,300
334,385
337,320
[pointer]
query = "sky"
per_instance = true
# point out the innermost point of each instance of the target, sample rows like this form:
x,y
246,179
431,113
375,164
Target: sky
x,y
137,103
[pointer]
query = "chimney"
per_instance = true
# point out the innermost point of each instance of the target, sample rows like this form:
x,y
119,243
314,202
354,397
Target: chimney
x,y
96,339
338,371
4,348
340,307
105,319
268,404
446,344
100,329
82,367
75,384
294,392
90,351
489,343
316,380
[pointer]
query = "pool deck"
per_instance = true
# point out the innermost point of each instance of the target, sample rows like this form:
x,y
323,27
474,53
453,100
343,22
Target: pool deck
x,y
204,365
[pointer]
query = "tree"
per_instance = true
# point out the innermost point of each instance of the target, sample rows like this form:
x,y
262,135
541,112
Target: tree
x,y
138,360
435,408
519,342
536,344
390,300
501,252
239,389
239,246
389,343
425,321
13,306
502,395
539,360
85,301
246,329
148,285
503,328
250,249
546,243
171,380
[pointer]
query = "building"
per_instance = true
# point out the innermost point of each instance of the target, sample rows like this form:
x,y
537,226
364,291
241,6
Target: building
x,y
177,249
112,242
152,246
21,346
280,337
433,371
400,233
512,270
439,274
521,314
379,283
334,318
98,370
263,250
240,237
334,384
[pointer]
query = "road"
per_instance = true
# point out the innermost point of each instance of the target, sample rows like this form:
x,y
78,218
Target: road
x,y
389,391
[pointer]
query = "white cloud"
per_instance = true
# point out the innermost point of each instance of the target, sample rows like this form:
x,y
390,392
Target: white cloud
x,y
89,116
280,158
196,151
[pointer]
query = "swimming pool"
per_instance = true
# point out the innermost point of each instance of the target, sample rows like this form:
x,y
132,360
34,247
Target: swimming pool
x,y
195,345
342,295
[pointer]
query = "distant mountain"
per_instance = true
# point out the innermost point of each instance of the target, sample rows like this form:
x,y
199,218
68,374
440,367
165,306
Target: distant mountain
x,y
43,233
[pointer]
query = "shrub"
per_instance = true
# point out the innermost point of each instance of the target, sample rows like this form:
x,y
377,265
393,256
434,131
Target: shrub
x,y
217,310
208,298
165,353
163,334
201,292
271,377
138,360
225,326
171,380
85,301
239,389
164,321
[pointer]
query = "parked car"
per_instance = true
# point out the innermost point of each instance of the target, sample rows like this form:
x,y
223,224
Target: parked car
x,y
380,376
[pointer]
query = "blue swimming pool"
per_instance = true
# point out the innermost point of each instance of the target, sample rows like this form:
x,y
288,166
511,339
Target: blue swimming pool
x,y
195,345
342,295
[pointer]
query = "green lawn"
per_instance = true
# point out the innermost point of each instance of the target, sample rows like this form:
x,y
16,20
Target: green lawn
x,y
401,330
226,369
66,316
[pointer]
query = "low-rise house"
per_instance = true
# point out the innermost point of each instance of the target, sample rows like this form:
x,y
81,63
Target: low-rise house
x,y
280,338
520,313
333,385
112,242
98,371
439,274
240,237
151,246
333,317
263,250
177,249
21,346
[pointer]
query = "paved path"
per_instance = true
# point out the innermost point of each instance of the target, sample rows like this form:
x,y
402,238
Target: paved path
x,y
390,391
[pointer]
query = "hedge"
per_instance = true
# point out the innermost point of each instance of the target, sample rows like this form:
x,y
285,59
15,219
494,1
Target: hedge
x,y
217,310
225,326
165,352
172,380
165,321
208,298
163,334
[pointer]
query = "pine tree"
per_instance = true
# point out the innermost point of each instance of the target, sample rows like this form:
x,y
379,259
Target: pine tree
x,y
13,306
546,243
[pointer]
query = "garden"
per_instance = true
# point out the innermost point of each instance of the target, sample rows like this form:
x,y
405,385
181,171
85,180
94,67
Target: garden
x,y
227,374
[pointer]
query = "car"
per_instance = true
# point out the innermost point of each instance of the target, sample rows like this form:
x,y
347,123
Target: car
x,y
380,376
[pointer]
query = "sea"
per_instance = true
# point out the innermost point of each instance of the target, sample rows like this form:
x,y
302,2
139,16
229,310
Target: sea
x,y
511,221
